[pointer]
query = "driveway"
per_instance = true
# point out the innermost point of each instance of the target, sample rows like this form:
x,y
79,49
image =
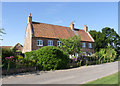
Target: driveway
x,y
69,76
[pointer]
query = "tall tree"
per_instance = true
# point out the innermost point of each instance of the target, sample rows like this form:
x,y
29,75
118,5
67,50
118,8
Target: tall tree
x,y
112,38
99,39
107,37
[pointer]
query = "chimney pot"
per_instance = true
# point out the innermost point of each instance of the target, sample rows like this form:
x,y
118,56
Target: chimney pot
x,y
30,18
85,28
72,26
30,14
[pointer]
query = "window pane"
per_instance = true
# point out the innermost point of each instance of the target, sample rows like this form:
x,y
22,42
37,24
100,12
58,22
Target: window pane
x,y
90,45
83,45
50,43
39,42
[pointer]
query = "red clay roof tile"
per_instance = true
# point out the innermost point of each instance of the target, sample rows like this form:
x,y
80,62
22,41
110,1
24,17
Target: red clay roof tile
x,y
55,31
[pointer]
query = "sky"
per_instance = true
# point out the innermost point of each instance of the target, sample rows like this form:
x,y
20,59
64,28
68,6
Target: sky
x,y
96,15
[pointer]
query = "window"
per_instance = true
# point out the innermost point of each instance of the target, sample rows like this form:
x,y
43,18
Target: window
x,y
59,43
90,45
39,42
76,54
84,44
50,43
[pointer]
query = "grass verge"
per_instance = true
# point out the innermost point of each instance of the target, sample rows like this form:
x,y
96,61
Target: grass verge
x,y
111,80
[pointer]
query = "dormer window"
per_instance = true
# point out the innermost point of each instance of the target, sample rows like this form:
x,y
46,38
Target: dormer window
x,y
39,42
84,45
50,43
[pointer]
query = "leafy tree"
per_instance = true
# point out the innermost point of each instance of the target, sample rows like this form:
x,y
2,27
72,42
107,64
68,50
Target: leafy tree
x,y
93,33
99,39
71,45
107,37
112,38
2,32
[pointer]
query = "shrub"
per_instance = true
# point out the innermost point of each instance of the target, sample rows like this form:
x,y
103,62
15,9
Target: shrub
x,y
10,61
30,58
51,57
6,53
106,55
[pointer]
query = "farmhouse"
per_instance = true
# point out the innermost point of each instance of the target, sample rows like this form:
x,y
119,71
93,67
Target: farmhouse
x,y
39,34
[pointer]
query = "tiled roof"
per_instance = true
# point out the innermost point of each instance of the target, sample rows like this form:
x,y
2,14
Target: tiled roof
x,y
5,47
55,31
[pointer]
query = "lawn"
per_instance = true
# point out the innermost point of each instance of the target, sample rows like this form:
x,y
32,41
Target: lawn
x,y
111,80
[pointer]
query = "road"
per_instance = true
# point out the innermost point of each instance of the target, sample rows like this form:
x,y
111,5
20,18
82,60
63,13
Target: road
x,y
79,75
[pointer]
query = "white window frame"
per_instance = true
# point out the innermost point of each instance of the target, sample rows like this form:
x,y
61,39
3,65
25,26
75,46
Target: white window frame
x,y
59,43
38,44
51,42
84,45
90,45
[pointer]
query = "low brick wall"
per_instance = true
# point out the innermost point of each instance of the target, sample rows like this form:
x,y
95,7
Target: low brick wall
x,y
73,64
18,70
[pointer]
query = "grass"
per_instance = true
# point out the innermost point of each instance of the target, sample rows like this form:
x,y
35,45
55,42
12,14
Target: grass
x,y
111,80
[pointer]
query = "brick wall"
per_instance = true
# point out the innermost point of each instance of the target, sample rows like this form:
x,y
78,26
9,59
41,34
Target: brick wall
x,y
45,43
87,49
28,39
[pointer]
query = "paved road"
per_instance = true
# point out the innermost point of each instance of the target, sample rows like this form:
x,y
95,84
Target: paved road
x,y
70,76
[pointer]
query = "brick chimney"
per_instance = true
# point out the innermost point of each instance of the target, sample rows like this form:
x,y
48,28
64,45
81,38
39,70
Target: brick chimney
x,y
72,26
85,28
30,18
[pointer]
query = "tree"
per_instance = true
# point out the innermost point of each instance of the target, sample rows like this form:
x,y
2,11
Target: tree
x,y
107,37
71,45
2,32
99,39
93,33
112,38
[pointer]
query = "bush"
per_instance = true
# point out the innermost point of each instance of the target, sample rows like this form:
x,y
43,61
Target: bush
x,y
6,53
87,60
51,57
106,55
30,58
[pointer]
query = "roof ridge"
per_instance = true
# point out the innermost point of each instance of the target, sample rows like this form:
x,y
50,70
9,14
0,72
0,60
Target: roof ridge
x,y
48,24
53,25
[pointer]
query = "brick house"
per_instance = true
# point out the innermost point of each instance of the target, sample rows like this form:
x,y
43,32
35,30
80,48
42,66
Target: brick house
x,y
38,35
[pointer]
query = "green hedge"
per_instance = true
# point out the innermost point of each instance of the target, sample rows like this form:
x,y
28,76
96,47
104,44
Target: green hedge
x,y
52,58
48,58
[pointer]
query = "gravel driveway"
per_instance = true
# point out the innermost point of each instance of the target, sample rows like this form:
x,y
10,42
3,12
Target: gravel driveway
x,y
69,76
